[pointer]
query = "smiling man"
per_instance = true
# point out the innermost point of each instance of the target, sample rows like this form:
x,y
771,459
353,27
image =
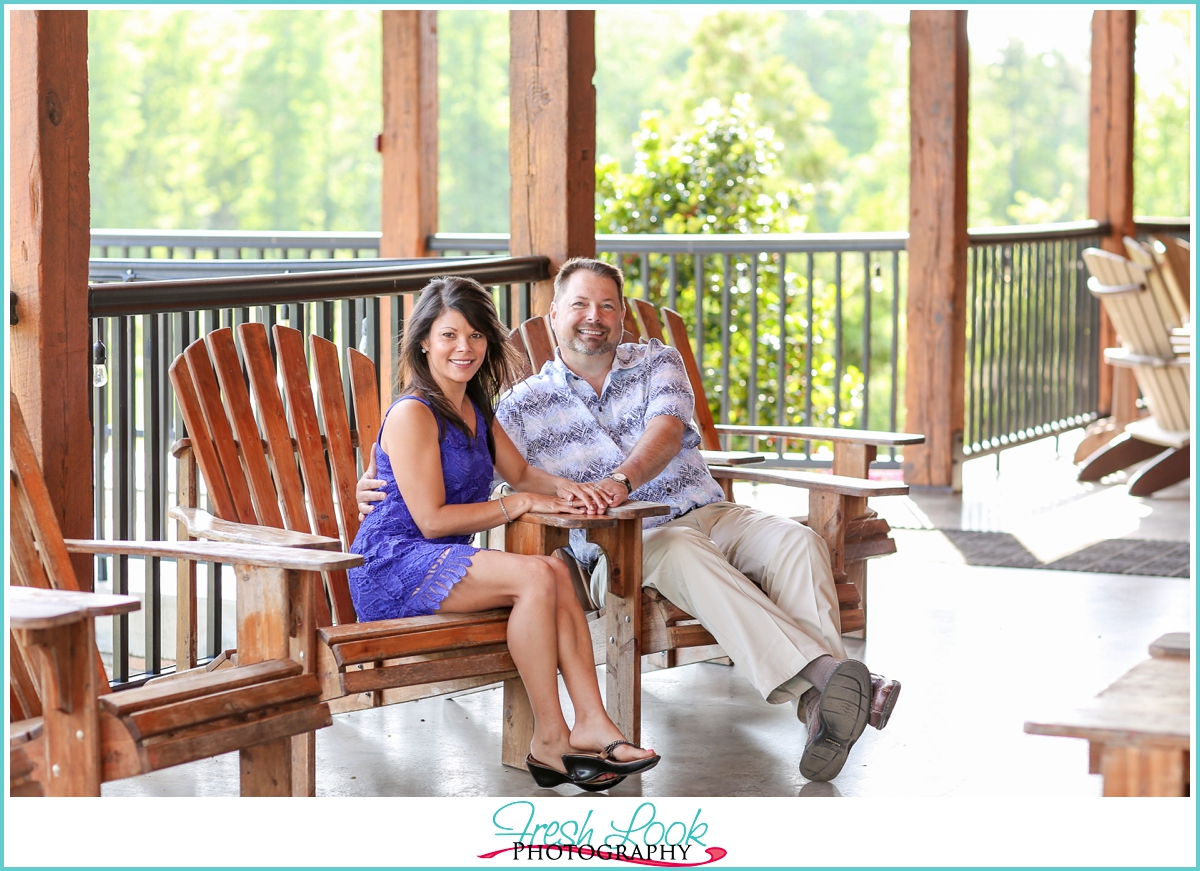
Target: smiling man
x,y
619,417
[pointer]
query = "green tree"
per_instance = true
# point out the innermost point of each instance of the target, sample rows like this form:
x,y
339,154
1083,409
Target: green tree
x,y
473,177
1162,181
716,177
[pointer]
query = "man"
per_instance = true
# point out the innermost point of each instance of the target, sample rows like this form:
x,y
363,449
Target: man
x,y
620,418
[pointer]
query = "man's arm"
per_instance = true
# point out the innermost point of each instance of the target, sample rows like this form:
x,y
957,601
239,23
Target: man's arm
x,y
660,442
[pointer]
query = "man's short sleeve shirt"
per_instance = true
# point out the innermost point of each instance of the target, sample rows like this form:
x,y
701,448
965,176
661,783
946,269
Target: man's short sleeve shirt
x,y
559,424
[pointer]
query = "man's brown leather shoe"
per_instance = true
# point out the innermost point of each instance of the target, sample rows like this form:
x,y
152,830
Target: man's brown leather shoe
x,y
884,693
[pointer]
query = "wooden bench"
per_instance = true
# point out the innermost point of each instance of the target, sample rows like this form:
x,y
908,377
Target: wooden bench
x,y
1139,728
75,734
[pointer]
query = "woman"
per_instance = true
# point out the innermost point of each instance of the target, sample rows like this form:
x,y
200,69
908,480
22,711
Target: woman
x,y
437,449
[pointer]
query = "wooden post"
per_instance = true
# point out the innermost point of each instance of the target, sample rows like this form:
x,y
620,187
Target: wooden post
x,y
552,139
1110,168
49,223
409,144
937,247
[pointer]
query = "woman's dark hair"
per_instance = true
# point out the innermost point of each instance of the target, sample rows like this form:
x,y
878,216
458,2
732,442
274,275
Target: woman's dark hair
x,y
499,370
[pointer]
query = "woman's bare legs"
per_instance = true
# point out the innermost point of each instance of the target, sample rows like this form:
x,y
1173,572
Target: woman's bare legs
x,y
539,591
593,729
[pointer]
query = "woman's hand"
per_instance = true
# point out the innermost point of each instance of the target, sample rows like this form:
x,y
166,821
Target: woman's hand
x,y
539,504
593,502
369,488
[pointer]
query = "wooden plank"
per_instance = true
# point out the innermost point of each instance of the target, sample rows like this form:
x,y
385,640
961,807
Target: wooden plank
x,y
432,641
518,724
31,608
937,246
49,244
647,320
228,367
208,396
342,468
813,481
299,559
1110,152
1172,645
826,434
1143,771
552,138
231,703
732,458
269,727
701,412
130,702
409,146
260,367
302,413
64,658
187,492
623,625
23,690
338,635
538,342
201,524
365,390
471,665
203,448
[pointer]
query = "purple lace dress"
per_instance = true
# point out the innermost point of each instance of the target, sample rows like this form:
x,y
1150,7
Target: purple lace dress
x,y
405,574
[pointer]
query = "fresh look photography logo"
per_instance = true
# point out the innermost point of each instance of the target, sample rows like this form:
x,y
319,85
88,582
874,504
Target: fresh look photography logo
x,y
645,838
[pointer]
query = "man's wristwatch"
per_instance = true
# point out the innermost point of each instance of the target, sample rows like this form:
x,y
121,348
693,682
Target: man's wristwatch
x,y
622,479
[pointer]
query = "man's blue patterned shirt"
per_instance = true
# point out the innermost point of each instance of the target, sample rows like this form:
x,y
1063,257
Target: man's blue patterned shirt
x,y
559,424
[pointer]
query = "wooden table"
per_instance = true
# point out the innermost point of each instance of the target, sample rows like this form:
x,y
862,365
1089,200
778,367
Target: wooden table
x,y
58,630
1139,728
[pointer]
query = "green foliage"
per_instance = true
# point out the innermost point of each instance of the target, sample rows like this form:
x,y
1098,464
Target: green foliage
x,y
473,178
713,178
1162,183
226,119
1028,139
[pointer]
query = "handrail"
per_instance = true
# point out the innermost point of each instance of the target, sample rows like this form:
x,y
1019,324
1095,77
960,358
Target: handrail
x,y
124,238
613,242
125,269
153,297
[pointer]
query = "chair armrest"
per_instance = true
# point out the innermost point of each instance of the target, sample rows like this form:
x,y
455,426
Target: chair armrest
x,y
201,524
825,434
1129,360
626,511
295,558
840,485
731,458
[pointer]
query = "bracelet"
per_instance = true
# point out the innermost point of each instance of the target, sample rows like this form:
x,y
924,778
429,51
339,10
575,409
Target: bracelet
x,y
504,511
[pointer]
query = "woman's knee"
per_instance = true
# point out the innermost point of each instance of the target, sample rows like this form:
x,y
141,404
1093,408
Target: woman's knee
x,y
539,578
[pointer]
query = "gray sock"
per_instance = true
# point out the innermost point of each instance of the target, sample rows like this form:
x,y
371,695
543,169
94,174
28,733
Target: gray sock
x,y
819,671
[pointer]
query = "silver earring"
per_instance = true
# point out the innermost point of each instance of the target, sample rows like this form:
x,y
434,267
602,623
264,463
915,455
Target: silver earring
x,y
423,351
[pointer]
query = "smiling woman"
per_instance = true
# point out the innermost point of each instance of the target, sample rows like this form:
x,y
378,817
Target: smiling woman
x,y
437,450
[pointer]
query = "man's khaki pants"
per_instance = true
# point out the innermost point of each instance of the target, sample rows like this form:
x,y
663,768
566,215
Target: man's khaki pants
x,y
760,583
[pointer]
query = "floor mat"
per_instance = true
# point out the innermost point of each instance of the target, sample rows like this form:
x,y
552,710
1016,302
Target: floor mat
x,y
1120,556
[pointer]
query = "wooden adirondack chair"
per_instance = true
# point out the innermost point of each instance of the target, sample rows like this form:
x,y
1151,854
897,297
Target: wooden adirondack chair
x,y
251,473
1177,262
75,734
1143,318
838,509
1168,296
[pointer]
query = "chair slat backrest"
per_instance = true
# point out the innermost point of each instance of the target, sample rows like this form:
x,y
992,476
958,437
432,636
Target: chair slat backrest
x,y
364,387
702,414
647,319
1139,320
264,388
335,419
38,554
1178,257
224,356
1168,307
539,341
1124,291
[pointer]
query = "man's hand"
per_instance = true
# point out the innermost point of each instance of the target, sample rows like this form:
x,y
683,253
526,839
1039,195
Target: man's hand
x,y
369,488
612,492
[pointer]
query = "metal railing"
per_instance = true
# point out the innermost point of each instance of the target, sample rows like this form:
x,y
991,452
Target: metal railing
x,y
141,327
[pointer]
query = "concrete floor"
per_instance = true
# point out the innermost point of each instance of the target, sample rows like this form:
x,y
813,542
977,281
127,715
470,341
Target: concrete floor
x,y
978,649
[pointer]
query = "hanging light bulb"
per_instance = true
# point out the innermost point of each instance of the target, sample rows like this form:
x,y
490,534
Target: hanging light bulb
x,y
99,365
